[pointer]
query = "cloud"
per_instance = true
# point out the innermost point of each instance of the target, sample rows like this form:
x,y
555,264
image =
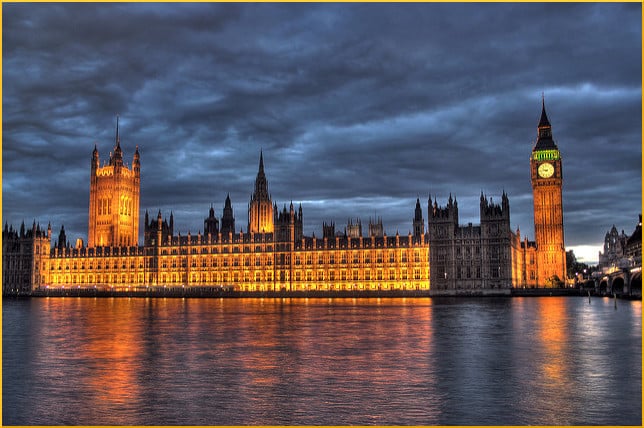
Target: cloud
x,y
359,108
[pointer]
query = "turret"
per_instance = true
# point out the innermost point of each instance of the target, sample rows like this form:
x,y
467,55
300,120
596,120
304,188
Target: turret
x,y
117,158
95,161
211,224
227,218
419,222
62,239
136,162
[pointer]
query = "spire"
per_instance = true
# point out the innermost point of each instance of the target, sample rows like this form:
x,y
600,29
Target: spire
x,y
544,131
118,137
261,185
418,211
543,122
117,158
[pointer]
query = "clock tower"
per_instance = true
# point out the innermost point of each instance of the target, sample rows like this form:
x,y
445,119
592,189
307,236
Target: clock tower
x,y
547,179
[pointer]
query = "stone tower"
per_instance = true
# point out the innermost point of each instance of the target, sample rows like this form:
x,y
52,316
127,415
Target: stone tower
x,y
114,199
547,179
495,243
260,207
442,225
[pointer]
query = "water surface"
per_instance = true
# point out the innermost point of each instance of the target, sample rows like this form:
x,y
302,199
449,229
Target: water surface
x,y
419,361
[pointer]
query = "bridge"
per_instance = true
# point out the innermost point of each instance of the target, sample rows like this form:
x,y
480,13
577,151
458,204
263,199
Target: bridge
x,y
623,279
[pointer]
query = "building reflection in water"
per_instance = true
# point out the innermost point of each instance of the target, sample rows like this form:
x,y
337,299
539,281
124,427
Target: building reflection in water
x,y
318,361
552,333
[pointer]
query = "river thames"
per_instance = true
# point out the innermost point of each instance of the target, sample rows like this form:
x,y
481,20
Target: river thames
x,y
387,361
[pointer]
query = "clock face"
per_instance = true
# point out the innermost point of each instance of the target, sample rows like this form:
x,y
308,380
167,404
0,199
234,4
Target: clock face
x,y
546,170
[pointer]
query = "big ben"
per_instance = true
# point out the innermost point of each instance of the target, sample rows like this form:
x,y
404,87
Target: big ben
x,y
547,180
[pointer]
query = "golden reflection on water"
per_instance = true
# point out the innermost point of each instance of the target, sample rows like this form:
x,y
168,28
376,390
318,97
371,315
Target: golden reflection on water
x,y
112,345
315,361
553,334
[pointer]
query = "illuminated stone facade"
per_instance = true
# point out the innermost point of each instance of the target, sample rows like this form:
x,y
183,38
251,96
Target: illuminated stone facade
x,y
114,199
283,259
547,181
274,254
247,262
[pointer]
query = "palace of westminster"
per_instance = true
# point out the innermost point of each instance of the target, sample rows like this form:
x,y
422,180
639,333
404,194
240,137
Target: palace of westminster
x,y
274,254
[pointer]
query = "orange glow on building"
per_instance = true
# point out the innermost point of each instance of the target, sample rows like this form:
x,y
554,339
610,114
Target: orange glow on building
x,y
274,254
547,181
114,199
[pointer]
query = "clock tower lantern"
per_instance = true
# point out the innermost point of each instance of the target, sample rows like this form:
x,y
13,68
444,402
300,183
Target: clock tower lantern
x,y
547,179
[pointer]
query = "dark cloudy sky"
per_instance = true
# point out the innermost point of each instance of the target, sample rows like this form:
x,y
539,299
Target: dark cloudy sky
x,y
359,108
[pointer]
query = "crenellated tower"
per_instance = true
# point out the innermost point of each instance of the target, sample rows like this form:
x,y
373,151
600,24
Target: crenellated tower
x,y
260,207
547,181
114,199
442,225
158,230
496,243
288,224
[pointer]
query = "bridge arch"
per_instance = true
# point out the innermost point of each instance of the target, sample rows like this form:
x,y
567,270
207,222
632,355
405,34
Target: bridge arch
x,y
636,284
603,286
617,285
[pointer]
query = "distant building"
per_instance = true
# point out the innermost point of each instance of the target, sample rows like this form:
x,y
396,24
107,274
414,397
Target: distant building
x,y
621,250
25,256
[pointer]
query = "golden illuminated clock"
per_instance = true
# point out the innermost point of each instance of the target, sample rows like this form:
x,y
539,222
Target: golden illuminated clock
x,y
546,170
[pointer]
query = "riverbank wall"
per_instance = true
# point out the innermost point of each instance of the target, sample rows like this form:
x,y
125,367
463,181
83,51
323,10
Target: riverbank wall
x,y
201,292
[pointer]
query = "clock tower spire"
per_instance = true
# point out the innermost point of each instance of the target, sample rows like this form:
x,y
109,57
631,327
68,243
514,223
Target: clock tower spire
x,y
547,181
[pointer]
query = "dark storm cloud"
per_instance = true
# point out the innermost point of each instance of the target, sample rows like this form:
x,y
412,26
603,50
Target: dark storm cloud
x,y
359,108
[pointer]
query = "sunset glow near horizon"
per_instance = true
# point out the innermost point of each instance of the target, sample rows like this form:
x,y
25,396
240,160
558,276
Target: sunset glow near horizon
x,y
358,109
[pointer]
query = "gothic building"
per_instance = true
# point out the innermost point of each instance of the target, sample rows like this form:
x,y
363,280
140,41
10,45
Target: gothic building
x,y
114,199
157,229
620,249
24,258
470,256
547,179
274,254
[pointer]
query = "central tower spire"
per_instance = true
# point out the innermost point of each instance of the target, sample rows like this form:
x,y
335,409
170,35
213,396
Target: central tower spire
x,y
260,208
